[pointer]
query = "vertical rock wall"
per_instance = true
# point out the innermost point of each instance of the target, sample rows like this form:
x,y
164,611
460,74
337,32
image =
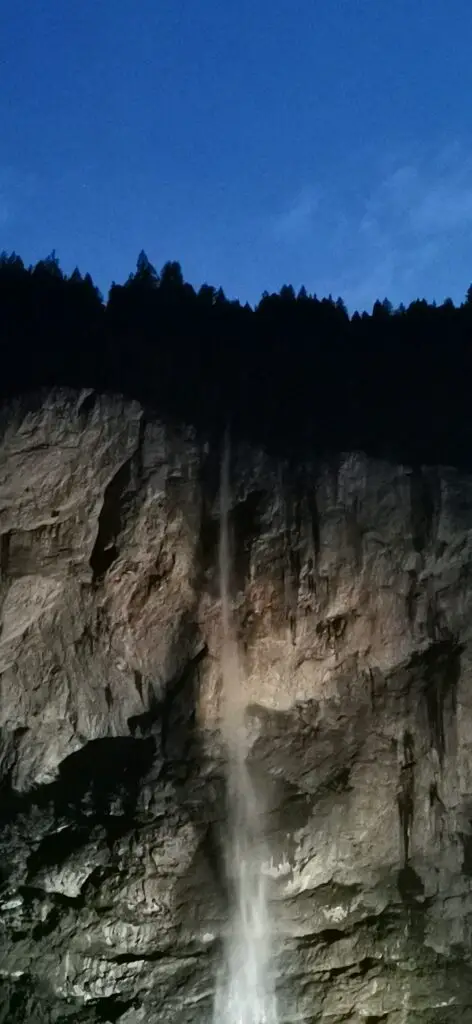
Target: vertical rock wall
x,y
353,603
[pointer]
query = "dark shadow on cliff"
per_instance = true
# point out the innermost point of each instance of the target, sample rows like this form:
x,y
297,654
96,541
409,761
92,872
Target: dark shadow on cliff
x,y
191,759
109,785
88,781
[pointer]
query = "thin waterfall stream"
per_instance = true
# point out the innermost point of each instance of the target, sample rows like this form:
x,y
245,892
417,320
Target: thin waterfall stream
x,y
245,992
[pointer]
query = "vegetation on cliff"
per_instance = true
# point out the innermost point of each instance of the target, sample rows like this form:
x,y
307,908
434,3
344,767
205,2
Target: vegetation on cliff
x,y
296,372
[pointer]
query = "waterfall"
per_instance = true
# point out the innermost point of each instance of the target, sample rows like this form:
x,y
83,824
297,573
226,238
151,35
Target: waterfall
x,y
245,988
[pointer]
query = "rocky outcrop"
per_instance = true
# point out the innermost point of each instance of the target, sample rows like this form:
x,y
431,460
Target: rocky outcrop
x,y
353,598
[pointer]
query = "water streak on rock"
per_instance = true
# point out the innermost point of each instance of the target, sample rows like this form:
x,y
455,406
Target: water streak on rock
x,y
245,987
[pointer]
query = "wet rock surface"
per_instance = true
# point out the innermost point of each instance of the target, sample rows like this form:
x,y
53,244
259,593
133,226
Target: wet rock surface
x,y
353,597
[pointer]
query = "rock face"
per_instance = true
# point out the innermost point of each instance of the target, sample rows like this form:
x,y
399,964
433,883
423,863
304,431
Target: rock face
x,y
353,598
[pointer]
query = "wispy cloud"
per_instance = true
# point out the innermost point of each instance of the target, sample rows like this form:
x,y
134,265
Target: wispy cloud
x,y
299,218
408,234
411,222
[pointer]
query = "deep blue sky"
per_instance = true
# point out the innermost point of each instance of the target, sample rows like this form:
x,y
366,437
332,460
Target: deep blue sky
x,y
257,141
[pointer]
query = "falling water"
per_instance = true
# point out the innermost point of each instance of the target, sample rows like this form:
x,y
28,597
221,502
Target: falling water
x,y
245,991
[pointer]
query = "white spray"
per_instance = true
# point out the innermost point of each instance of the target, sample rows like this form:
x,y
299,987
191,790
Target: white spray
x,y
245,987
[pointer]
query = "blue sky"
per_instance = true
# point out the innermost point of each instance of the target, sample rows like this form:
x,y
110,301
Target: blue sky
x,y
324,142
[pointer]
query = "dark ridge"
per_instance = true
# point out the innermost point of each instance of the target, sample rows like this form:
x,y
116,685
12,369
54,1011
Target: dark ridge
x,y
87,403
406,792
178,710
424,498
292,559
441,678
4,553
467,855
296,374
244,526
412,597
314,516
105,551
411,890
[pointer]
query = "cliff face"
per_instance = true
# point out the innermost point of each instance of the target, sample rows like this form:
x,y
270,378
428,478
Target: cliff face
x,y
353,595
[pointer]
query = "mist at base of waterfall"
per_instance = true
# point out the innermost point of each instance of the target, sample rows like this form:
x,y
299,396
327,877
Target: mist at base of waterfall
x,y
245,992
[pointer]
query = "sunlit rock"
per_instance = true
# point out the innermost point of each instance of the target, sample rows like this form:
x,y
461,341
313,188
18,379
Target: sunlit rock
x,y
353,613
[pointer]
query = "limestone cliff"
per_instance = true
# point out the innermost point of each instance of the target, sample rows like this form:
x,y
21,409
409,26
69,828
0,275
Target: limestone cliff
x,y
353,594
